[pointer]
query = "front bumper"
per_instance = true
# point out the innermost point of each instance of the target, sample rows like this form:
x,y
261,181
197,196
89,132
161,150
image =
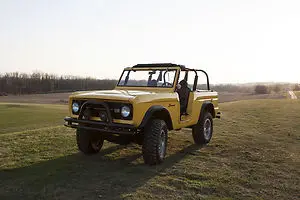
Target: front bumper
x,y
104,127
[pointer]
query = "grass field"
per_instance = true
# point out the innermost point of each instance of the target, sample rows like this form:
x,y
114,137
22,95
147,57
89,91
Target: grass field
x,y
254,154
20,117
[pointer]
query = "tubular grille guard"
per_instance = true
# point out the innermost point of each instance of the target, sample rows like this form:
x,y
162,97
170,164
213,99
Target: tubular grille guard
x,y
99,104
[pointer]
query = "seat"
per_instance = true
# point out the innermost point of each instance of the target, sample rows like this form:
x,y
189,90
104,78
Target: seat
x,y
184,93
152,83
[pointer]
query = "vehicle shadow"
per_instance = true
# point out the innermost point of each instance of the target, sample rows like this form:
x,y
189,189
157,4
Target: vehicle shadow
x,y
84,177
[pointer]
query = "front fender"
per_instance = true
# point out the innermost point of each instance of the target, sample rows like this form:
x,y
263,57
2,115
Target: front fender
x,y
152,111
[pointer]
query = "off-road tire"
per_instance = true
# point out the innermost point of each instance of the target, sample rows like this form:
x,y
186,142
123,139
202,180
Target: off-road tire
x,y
199,130
155,142
88,142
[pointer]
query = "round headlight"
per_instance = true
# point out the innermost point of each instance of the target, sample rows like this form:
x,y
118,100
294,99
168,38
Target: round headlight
x,y
75,107
125,111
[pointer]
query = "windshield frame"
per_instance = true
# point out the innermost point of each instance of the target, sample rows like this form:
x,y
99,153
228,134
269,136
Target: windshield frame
x,y
149,69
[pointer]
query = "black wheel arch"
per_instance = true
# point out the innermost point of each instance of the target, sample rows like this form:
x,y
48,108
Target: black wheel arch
x,y
157,112
208,107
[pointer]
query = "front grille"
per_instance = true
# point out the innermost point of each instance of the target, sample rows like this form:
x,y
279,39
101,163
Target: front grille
x,y
114,109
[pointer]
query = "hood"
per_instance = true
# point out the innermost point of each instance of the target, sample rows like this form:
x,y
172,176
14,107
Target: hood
x,y
122,95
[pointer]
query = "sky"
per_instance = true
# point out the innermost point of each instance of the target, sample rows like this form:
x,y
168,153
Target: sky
x,y
235,41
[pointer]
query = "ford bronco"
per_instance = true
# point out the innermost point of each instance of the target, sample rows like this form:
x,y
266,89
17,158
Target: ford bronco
x,y
148,101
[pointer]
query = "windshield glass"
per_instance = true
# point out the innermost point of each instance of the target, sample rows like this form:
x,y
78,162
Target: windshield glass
x,y
148,78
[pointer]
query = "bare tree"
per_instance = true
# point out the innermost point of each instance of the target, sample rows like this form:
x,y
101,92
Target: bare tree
x,y
39,82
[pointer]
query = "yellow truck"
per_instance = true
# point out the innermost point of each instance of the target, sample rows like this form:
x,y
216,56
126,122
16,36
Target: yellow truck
x,y
148,101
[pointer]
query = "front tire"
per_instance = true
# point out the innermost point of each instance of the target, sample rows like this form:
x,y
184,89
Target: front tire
x,y
203,130
89,142
155,142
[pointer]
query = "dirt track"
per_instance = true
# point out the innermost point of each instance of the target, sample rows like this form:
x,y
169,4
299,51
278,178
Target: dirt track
x,y
292,94
51,98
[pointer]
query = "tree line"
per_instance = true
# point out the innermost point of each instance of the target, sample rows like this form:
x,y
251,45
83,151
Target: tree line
x,y
39,82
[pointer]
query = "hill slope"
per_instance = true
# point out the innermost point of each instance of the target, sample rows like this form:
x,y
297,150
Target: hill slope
x,y
254,153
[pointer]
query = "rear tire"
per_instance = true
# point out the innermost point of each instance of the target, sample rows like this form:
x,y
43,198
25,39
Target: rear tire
x,y
155,142
203,130
89,142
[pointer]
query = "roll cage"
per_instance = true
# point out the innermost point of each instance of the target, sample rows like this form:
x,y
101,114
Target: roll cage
x,y
168,66
186,70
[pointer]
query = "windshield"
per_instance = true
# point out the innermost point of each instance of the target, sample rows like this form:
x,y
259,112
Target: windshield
x,y
148,78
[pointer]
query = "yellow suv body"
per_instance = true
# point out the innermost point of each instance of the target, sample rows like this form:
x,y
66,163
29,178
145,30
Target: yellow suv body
x,y
148,99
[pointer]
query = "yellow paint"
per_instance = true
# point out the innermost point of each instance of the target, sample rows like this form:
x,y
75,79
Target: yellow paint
x,y
142,98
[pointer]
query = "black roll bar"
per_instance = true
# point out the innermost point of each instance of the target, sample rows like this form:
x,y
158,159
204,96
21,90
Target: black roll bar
x,y
196,78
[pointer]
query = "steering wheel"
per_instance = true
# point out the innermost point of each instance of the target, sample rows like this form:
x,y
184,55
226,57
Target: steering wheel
x,y
167,84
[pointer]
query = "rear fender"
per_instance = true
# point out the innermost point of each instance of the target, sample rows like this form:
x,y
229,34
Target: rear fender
x,y
207,107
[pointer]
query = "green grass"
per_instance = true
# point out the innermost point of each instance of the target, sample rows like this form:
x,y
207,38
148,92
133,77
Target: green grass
x,y
20,117
254,154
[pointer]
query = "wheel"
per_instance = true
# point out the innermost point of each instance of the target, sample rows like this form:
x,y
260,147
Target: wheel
x,y
203,130
89,142
155,142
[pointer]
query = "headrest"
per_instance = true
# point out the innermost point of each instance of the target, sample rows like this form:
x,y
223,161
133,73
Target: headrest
x,y
183,83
